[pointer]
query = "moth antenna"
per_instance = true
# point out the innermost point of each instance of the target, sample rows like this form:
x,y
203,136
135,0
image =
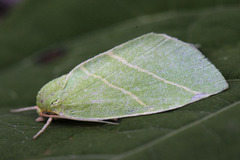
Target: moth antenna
x,y
43,128
24,109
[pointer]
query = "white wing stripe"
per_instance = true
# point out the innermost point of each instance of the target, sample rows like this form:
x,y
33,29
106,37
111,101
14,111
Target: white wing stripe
x,y
113,86
110,53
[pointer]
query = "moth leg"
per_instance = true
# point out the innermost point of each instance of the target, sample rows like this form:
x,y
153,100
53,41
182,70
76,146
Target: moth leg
x,y
40,119
43,128
116,120
108,122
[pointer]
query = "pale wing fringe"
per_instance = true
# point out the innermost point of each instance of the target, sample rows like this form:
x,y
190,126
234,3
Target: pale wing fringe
x,y
110,53
113,86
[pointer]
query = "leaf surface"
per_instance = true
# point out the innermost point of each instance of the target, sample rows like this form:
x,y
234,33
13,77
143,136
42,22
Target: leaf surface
x,y
207,129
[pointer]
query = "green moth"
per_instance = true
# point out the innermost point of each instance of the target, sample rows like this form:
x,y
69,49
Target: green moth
x,y
150,74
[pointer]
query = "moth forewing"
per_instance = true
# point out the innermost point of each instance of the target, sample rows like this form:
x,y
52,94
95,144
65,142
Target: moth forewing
x,y
150,74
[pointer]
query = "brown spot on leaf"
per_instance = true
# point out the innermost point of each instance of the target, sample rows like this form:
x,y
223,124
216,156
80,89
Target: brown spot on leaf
x,y
6,6
47,152
51,55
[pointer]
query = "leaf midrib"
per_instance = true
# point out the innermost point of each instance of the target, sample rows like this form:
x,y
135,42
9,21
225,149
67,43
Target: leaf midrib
x,y
157,140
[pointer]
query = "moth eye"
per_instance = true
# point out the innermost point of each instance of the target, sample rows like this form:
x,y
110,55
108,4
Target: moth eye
x,y
54,103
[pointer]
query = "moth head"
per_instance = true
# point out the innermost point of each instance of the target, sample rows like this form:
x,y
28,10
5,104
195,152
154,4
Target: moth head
x,y
48,96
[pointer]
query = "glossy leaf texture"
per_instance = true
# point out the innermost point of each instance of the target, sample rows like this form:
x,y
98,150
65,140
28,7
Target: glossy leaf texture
x,y
207,129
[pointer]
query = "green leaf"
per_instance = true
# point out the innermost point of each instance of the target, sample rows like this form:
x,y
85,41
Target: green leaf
x,y
35,25
207,129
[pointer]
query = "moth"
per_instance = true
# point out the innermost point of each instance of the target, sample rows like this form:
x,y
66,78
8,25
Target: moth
x,y
150,74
